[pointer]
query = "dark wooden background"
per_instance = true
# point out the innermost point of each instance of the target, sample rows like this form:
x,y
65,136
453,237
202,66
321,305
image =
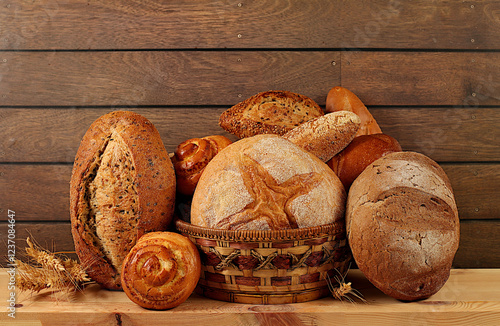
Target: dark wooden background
x,y
429,71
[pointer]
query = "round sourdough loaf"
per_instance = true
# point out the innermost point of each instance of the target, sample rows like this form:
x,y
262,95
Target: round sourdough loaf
x,y
265,182
402,225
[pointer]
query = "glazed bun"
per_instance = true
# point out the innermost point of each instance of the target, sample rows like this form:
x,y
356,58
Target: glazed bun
x,y
361,152
192,156
266,182
161,271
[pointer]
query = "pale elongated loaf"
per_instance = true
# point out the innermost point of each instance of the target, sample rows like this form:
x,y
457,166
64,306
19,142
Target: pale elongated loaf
x,y
122,186
265,182
327,135
402,225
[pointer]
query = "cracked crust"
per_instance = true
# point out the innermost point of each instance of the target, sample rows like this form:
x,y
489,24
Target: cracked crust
x,y
122,186
266,182
403,225
271,112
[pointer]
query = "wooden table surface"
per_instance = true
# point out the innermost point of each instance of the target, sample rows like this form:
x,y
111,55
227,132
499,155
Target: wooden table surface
x,y
470,297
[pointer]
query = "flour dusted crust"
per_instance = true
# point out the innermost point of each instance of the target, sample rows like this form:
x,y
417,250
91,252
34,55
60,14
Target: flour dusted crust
x,y
271,112
266,182
403,225
122,186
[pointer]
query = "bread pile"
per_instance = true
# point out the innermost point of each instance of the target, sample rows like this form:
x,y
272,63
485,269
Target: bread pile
x,y
293,166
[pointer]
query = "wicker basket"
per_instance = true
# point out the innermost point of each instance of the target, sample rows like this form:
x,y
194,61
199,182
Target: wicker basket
x,y
268,267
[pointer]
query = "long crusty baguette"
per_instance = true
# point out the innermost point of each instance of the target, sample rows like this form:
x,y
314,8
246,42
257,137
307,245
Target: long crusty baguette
x,y
122,186
342,99
327,135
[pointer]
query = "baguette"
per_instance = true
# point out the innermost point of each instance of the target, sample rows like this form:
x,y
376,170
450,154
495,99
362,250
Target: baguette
x,y
342,99
122,186
327,135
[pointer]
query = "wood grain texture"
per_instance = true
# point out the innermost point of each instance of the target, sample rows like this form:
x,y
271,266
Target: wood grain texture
x,y
476,188
35,192
41,192
470,296
459,79
54,134
250,24
457,134
479,245
133,78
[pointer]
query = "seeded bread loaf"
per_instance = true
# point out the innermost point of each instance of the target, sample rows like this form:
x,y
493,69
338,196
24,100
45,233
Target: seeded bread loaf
x,y
122,186
265,182
402,225
271,112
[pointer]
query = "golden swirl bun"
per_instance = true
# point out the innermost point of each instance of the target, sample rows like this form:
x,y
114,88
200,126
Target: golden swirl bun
x,y
191,157
161,271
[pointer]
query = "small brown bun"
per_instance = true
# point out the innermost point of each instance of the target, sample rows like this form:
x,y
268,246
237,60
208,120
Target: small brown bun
x,y
327,135
161,271
361,152
192,156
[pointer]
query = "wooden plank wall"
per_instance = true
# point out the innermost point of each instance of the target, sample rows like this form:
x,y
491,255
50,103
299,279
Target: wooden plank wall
x,y
429,71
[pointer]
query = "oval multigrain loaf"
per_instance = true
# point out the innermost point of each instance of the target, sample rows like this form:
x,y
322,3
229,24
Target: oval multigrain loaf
x,y
271,112
266,182
122,186
403,225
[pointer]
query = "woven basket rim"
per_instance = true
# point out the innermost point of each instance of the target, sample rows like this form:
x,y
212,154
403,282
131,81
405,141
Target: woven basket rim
x,y
259,235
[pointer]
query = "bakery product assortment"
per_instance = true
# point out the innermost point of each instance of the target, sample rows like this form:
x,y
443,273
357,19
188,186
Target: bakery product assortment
x,y
192,156
361,152
161,271
293,167
327,135
403,225
266,182
122,186
271,112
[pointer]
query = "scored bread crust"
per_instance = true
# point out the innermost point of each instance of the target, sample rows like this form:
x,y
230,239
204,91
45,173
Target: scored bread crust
x,y
265,182
104,232
403,225
271,112
327,135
